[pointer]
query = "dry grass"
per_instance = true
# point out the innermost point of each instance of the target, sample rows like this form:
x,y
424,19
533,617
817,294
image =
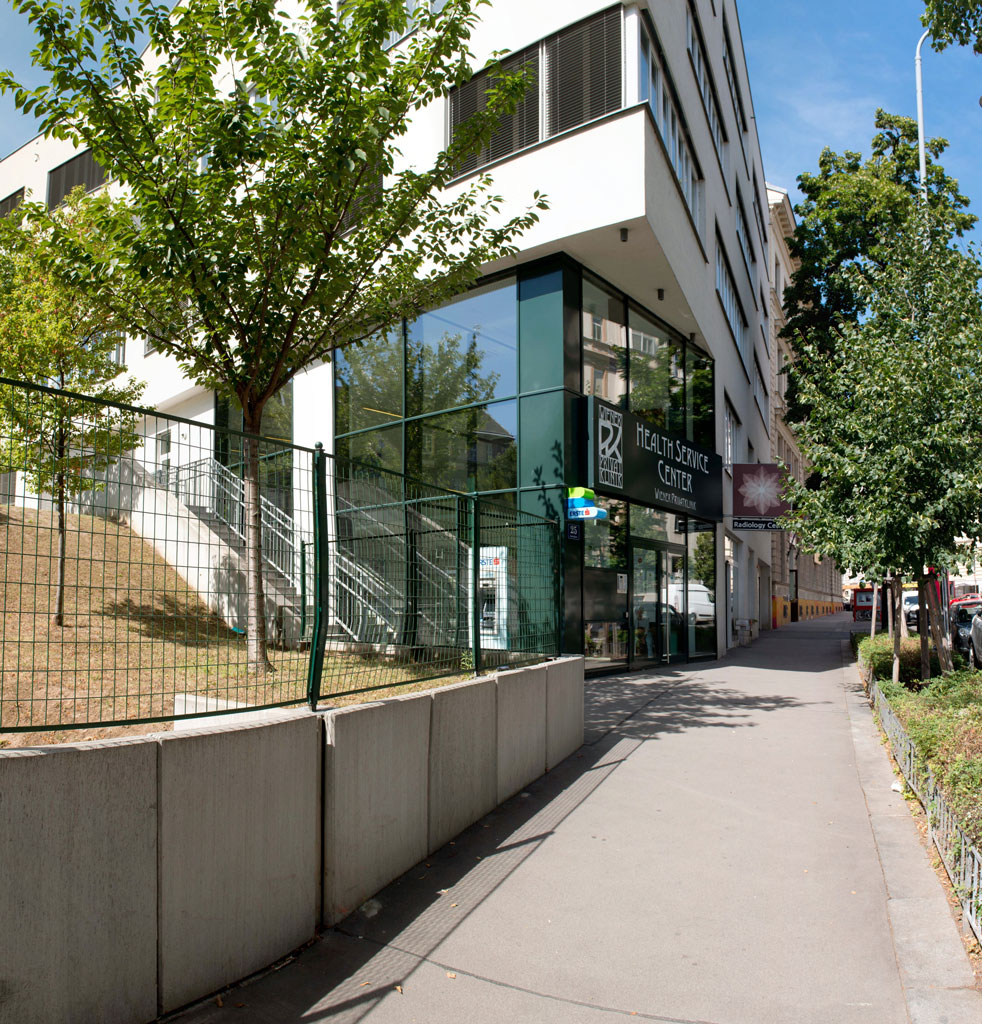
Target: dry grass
x,y
135,636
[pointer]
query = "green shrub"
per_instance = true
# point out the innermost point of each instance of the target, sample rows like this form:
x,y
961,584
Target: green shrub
x,y
877,652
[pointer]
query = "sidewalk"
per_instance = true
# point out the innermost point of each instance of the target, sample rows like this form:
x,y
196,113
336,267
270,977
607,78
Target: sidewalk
x,y
725,849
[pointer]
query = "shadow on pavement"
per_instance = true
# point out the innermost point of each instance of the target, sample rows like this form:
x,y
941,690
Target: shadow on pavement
x,y
352,967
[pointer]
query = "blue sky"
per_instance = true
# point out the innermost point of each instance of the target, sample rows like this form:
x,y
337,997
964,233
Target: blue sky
x,y
818,71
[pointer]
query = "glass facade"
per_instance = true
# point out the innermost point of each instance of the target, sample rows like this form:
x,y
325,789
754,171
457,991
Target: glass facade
x,y
487,395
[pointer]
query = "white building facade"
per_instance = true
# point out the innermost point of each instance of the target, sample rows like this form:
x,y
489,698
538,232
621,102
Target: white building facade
x,y
627,347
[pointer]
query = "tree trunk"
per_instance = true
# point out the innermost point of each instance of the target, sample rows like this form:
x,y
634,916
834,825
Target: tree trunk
x,y
872,617
896,614
922,585
58,616
888,604
260,666
941,642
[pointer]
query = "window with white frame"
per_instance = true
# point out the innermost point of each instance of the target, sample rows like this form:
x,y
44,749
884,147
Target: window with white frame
x,y
700,64
735,317
743,234
731,79
731,435
657,91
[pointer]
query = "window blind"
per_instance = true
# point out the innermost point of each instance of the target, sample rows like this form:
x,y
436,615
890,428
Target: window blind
x,y
11,203
80,170
583,78
514,131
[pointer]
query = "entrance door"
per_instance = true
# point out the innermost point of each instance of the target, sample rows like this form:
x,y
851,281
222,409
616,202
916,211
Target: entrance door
x,y
657,604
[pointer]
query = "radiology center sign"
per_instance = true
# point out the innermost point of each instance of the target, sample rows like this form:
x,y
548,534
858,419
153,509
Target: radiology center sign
x,y
631,459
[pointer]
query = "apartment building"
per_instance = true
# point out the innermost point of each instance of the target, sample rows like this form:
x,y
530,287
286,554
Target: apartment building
x,y
804,585
625,349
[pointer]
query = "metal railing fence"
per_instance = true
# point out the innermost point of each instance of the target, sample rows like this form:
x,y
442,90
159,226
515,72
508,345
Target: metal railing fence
x,y
124,576
961,859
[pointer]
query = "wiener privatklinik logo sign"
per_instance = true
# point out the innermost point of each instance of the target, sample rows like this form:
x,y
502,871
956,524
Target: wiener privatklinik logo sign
x,y
610,447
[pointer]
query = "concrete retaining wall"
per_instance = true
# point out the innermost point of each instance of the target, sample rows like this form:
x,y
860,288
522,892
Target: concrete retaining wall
x,y
78,899
376,777
139,875
239,822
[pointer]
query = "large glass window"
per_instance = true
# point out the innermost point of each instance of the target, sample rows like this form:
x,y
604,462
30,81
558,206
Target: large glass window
x,y
468,450
379,448
656,374
605,585
701,588
604,352
368,383
700,399
464,352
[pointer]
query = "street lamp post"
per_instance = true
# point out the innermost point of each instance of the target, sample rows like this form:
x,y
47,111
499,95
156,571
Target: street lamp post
x,y
920,117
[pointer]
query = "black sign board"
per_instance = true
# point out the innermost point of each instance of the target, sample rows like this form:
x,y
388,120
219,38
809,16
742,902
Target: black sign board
x,y
755,523
629,458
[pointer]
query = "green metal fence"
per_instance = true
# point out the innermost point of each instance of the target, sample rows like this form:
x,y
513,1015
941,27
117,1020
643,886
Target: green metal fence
x,y
124,571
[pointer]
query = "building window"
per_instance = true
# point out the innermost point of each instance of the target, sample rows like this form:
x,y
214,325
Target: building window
x,y
656,374
743,234
700,64
583,72
726,290
574,77
731,435
11,203
464,352
759,216
760,390
515,131
80,170
604,357
657,91
731,80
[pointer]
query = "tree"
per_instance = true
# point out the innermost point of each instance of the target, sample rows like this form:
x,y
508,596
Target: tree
x,y
895,415
55,336
266,215
851,210
954,21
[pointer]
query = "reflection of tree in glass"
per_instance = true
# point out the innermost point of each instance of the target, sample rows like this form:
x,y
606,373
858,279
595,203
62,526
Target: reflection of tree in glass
x,y
368,383
657,384
701,401
702,565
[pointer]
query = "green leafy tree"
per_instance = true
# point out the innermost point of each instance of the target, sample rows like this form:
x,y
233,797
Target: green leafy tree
x,y
267,216
895,417
851,210
954,21
55,336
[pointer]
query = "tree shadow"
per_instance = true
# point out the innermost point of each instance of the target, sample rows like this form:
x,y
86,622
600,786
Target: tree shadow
x,y
350,968
165,618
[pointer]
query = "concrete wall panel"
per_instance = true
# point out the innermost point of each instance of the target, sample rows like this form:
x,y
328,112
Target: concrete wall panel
x,y
564,709
463,756
78,873
239,851
521,728
375,798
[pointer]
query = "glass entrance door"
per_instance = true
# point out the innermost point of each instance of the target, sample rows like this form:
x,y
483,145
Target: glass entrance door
x,y
657,604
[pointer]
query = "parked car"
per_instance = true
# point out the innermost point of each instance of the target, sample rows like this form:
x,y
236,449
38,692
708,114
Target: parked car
x,y
963,615
911,608
958,614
